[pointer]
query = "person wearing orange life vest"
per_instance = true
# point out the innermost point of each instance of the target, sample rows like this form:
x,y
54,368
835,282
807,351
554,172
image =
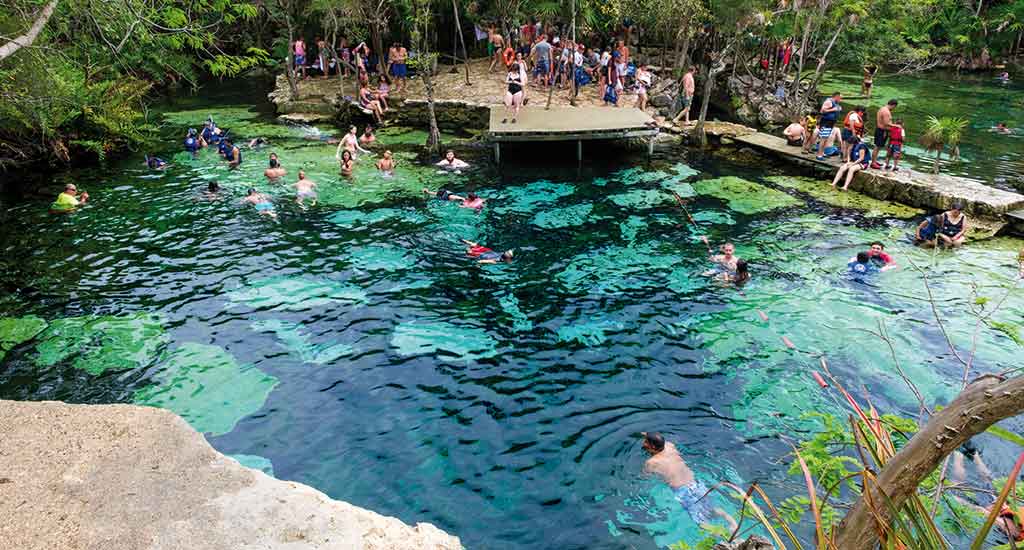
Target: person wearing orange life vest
x,y
853,125
896,137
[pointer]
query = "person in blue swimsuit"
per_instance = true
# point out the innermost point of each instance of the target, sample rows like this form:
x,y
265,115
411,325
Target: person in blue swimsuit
x,y
261,202
668,464
156,163
862,265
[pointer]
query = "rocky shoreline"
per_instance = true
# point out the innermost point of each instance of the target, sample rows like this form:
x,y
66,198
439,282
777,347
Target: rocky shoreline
x,y
116,477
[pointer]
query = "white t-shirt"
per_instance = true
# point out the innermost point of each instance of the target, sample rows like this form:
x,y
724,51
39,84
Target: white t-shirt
x,y
605,57
577,59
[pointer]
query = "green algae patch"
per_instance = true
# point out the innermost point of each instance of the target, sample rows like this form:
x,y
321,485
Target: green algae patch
x,y
631,227
382,257
520,321
444,339
641,199
527,198
589,333
616,268
569,216
824,192
295,294
714,217
355,219
639,175
100,344
255,462
743,196
296,341
18,330
207,387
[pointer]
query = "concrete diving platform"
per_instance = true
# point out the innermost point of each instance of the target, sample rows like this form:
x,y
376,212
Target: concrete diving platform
x,y
579,124
910,187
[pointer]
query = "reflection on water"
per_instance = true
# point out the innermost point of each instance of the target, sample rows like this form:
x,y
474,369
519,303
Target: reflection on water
x,y
354,347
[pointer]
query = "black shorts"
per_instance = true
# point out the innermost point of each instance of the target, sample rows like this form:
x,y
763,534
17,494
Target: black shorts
x,y
881,136
442,194
794,142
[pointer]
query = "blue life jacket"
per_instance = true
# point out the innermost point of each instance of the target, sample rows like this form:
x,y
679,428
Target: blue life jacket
x,y
208,134
223,149
855,153
191,145
833,115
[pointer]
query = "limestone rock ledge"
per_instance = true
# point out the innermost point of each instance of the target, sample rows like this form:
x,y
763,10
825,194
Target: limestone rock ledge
x,y
115,477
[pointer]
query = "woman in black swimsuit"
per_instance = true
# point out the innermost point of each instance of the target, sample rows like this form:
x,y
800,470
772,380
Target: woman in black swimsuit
x,y
954,226
514,93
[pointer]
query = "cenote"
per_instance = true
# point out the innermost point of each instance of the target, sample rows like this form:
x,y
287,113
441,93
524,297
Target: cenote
x,y
354,347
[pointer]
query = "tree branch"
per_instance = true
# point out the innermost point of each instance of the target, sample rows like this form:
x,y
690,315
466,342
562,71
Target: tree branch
x,y
29,37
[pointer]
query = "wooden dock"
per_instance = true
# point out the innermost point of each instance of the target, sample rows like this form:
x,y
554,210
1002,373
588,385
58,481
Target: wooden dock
x,y
910,187
579,124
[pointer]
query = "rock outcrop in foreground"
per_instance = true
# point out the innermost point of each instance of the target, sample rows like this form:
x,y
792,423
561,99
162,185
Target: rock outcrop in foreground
x,y
118,477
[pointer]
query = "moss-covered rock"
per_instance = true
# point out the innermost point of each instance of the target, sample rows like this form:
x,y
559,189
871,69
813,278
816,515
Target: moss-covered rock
x,y
100,344
821,190
743,196
18,330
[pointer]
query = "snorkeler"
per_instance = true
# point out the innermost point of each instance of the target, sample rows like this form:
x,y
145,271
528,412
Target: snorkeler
x,y
668,464
449,162
304,189
261,202
274,169
471,200
156,163
193,142
485,255
386,164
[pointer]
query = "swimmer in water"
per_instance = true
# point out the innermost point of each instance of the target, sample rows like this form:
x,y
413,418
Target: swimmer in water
x,y
261,202
367,137
725,263
156,163
666,463
233,155
1000,128
212,192
876,253
274,169
304,189
485,255
69,200
386,164
350,143
258,142
345,163
862,265
452,164
471,200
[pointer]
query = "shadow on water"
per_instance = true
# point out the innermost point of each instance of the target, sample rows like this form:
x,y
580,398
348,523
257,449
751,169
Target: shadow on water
x,y
355,347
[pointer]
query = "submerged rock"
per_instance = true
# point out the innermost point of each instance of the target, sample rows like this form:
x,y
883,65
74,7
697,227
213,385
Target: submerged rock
x,y
129,477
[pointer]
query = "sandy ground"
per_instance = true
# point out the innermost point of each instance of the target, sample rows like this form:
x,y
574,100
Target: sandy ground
x,y
115,477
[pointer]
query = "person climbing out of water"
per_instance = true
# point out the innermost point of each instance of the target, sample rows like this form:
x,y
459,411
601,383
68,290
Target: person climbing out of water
x,y
471,200
386,164
666,463
274,169
485,255
449,162
350,143
514,92
345,163
860,158
233,154
304,189
795,133
69,200
896,137
877,254
862,265
869,78
883,120
261,202
156,163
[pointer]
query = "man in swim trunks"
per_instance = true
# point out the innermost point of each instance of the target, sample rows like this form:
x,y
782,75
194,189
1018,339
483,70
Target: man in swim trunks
x,y
69,199
398,56
304,189
830,110
882,122
485,255
386,164
686,91
261,202
542,60
668,464
274,169
495,47
725,262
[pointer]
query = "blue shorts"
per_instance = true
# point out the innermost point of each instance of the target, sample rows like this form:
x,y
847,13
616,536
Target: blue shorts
x,y
399,70
542,67
693,499
824,131
264,207
300,60
895,148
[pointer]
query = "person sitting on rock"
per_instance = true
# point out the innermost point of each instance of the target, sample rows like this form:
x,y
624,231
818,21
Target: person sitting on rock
x,y
860,159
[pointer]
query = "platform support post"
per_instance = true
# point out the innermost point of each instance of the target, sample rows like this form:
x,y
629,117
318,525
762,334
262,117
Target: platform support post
x,y
497,152
579,152
650,146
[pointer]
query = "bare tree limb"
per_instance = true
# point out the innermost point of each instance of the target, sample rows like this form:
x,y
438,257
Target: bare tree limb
x,y
29,37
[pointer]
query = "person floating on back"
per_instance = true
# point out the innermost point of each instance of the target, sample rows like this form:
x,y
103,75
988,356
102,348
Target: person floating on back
x,y
485,255
666,463
261,202
68,200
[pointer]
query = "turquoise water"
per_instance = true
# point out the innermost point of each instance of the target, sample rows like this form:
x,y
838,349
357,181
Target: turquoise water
x,y
352,346
987,156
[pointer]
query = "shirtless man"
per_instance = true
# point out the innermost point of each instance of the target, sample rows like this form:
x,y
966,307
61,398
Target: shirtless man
x,y
349,143
398,56
274,169
686,95
666,463
882,122
386,164
623,62
497,46
304,189
261,202
725,262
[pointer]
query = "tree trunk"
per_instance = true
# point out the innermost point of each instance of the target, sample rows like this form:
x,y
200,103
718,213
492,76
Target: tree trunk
x,y
821,63
709,83
935,167
289,69
377,36
434,137
984,402
795,94
458,28
8,49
